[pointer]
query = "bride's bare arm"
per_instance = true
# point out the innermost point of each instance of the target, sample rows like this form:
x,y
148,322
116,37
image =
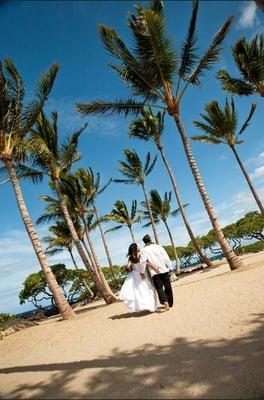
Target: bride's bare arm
x,y
129,266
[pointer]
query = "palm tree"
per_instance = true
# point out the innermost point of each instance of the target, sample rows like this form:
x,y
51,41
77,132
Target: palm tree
x,y
122,217
16,119
56,160
220,127
249,59
91,184
161,211
149,72
79,199
150,127
135,174
59,241
53,212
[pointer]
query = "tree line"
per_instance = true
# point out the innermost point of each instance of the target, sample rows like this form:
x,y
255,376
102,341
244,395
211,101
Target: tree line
x,y
31,146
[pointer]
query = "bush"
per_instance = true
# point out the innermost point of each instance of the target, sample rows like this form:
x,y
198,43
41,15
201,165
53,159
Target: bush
x,y
251,248
6,320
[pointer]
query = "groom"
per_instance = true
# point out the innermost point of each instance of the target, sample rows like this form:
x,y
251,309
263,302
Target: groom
x,y
156,255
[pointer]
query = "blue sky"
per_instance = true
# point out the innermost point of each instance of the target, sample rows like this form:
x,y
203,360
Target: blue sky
x,y
37,33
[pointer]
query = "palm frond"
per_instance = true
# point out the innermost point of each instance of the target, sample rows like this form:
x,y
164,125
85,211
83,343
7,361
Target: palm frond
x,y
108,108
16,91
206,139
131,70
125,181
176,212
44,86
188,55
153,49
4,98
26,172
149,169
68,152
53,252
115,228
246,123
104,187
211,55
233,85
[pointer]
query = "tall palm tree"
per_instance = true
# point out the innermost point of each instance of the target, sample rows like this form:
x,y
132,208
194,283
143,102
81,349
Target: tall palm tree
x,y
135,173
56,160
249,58
122,217
220,126
149,71
53,212
161,210
79,199
16,119
60,240
91,184
150,127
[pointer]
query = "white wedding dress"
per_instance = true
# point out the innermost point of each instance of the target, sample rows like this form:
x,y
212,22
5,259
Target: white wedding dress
x,y
138,293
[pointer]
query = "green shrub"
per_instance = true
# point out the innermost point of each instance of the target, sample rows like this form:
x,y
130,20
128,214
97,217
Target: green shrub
x,y
5,319
251,248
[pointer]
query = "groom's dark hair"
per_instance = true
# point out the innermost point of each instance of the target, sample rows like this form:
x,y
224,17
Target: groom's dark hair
x,y
146,239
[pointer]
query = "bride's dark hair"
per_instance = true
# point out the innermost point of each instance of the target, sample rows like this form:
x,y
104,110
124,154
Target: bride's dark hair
x,y
133,253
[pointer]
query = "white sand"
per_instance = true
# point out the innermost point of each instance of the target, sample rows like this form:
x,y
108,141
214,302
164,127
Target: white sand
x,y
210,345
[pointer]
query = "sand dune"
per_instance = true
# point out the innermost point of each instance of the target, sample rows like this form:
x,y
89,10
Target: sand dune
x,y
210,345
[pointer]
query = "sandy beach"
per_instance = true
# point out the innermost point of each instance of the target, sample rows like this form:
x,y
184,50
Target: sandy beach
x,y
210,345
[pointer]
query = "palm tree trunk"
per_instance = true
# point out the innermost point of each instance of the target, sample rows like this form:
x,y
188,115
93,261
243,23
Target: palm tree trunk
x,y
233,260
90,243
178,263
104,289
88,252
253,191
150,215
60,300
73,259
89,290
131,233
105,245
203,257
94,256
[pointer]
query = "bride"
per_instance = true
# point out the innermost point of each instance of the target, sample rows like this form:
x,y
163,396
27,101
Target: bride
x,y
137,291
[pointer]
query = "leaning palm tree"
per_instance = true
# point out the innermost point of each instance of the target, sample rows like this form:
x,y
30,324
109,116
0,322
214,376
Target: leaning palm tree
x,y
60,240
249,59
56,159
150,127
91,185
220,126
122,217
16,119
149,71
161,210
79,199
135,173
53,213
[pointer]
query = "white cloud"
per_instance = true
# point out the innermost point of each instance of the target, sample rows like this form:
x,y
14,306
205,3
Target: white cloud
x,y
223,157
258,173
69,120
248,17
259,159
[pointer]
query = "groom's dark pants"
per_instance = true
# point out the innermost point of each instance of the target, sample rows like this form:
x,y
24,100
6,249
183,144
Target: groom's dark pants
x,y
163,287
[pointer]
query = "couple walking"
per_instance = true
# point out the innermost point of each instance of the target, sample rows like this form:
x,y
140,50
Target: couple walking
x,y
148,276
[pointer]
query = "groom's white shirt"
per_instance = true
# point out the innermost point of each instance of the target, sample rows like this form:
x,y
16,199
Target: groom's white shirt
x,y
156,255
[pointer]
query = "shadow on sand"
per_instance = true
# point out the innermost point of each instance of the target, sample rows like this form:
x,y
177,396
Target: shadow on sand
x,y
223,369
